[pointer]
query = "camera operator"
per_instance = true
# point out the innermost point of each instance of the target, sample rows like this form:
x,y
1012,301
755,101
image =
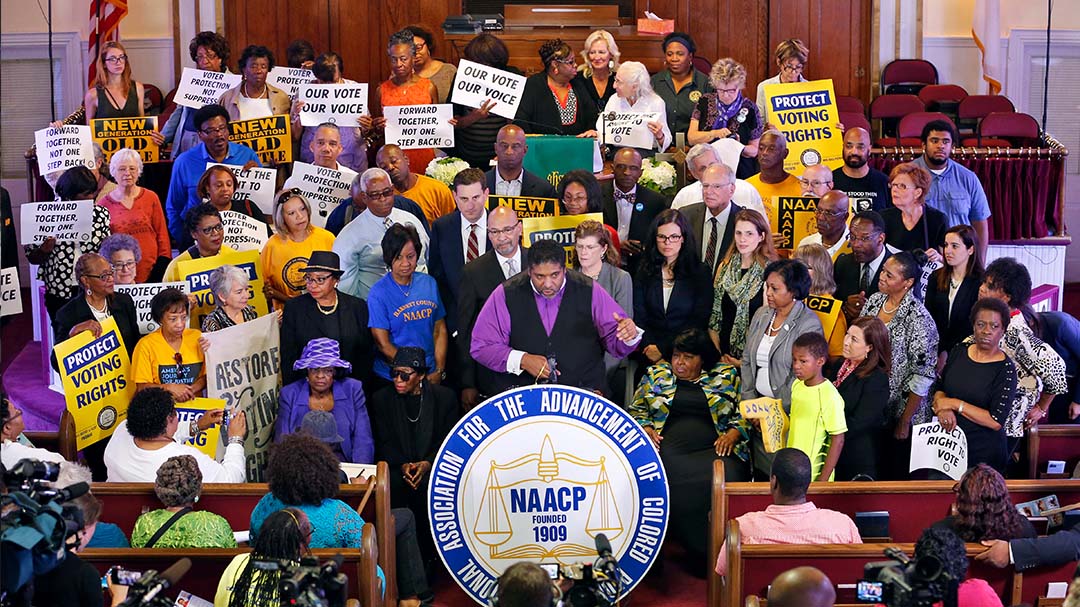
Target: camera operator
x,y
948,548
525,584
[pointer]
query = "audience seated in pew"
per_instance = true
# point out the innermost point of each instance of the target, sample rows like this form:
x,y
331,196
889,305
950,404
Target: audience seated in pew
x,y
802,587
16,446
983,509
286,536
178,524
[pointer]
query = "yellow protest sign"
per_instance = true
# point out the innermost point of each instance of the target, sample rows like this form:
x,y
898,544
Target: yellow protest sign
x,y
196,272
560,229
270,138
806,113
827,310
526,206
206,441
95,372
114,134
774,422
793,218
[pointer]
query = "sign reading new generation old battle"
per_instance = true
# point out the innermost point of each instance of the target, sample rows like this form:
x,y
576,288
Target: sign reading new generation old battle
x,y
536,474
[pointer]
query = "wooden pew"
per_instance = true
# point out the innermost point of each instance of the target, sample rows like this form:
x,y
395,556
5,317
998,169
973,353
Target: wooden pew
x,y
915,505
124,502
207,565
752,567
1053,442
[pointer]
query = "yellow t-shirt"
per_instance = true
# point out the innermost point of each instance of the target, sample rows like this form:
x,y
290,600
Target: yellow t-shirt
x,y
282,260
172,273
787,187
154,360
817,413
434,197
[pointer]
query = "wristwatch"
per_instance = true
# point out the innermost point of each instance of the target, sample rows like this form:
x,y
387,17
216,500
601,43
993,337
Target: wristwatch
x,y
193,427
960,409
441,372
236,440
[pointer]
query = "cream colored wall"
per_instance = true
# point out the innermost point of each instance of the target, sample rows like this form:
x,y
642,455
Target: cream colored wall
x,y
953,17
145,19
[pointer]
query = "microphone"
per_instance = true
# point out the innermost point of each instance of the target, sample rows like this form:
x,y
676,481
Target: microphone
x,y
72,492
606,561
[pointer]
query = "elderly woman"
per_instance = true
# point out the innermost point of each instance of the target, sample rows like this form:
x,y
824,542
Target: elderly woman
x,y
727,114
689,407
601,56
97,302
404,87
954,288
285,537
978,385
554,102
909,223
178,524
353,150
791,56
822,284
56,260
210,52
633,93
137,211
254,97
863,382
440,73
217,186
324,311
598,258
123,254
1040,371
476,130
170,357
739,282
285,255
327,388
766,360
679,84
204,225
405,308
229,284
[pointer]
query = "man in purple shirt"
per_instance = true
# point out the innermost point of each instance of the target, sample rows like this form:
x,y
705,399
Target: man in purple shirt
x,y
550,314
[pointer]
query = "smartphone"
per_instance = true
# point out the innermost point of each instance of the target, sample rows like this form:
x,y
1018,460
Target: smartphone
x,y
870,592
552,570
124,577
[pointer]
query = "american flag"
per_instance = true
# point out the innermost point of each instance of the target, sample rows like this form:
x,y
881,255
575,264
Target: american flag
x,y
105,16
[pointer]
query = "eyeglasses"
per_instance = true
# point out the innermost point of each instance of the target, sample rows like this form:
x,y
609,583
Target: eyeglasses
x,y
587,247
211,230
127,169
903,187
581,198
867,239
727,91
311,529
715,186
321,371
420,45
496,232
207,57
317,280
666,239
824,213
567,61
796,67
221,130
116,59
388,192
814,183
290,193
108,275
402,375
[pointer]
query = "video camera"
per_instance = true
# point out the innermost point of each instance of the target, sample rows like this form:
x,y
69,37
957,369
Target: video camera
x,y
595,585
904,582
308,584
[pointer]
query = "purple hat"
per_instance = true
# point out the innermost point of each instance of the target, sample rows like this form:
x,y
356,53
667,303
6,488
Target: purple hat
x,y
321,352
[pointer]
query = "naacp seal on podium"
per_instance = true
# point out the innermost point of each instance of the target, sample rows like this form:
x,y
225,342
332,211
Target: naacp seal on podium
x,y
535,474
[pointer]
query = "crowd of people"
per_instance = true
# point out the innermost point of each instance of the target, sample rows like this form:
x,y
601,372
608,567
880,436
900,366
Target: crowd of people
x,y
415,302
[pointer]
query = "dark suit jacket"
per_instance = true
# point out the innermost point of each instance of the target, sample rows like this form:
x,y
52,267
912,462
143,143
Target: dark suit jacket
x,y
76,310
652,203
865,400
846,271
696,214
478,279
446,260
689,306
531,185
955,326
1062,547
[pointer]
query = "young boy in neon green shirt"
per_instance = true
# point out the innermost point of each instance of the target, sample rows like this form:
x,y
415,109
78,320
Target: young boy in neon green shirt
x,y
817,423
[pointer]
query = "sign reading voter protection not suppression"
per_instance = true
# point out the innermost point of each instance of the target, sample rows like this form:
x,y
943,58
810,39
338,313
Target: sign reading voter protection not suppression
x,y
536,474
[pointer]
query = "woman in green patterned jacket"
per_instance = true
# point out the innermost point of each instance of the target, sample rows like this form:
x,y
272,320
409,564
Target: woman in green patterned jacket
x,y
178,485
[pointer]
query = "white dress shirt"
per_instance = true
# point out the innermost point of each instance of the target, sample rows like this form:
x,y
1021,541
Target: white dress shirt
x,y
510,187
721,226
746,196
508,263
624,209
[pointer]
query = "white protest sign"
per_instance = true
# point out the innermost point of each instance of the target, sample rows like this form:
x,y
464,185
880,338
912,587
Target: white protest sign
x,y
323,187
10,298
243,232
420,126
729,150
69,146
141,294
66,221
340,104
289,79
201,87
255,184
934,448
927,270
629,129
475,84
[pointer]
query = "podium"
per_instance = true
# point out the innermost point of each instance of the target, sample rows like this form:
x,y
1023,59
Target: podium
x,y
552,156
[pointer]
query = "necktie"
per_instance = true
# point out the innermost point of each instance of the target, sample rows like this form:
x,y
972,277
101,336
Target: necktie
x,y
710,249
474,246
510,268
864,279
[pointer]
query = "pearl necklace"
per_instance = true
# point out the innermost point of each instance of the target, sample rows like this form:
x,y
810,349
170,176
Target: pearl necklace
x,y
885,307
104,306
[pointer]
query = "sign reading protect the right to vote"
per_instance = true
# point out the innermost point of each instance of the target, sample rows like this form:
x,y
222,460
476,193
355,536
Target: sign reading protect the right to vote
x,y
476,84
793,218
340,104
64,220
114,134
324,188
420,126
629,129
10,296
935,449
69,146
141,294
526,206
243,232
95,373
201,87
270,138
255,184
806,113
560,229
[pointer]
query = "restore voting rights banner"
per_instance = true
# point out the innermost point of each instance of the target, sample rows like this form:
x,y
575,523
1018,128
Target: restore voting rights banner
x,y
243,232
141,294
114,134
201,87
475,84
340,104
95,373
560,229
69,146
536,474
806,113
324,188
242,366
793,218
10,296
629,129
196,273
64,220
935,449
420,126
289,79
270,138
526,206
206,441
255,184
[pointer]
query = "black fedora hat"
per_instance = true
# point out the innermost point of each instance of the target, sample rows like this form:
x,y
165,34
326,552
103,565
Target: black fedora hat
x,y
324,261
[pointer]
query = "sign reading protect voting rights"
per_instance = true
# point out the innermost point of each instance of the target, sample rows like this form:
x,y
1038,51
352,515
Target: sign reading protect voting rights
x,y
806,113
340,104
255,184
95,373
476,84
560,229
189,411
69,146
200,87
66,221
420,126
114,134
196,273
270,138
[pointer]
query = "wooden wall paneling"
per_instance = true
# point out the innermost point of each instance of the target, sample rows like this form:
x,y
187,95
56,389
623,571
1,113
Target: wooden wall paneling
x,y
274,24
741,30
356,34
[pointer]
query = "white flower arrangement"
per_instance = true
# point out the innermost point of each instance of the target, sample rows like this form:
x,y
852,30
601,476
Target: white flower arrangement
x,y
658,176
445,169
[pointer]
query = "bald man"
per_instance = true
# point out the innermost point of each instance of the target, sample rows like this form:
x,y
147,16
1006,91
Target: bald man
x,y
508,177
802,587
816,180
432,195
868,188
831,218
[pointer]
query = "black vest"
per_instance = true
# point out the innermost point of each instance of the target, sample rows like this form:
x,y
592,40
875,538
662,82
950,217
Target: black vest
x,y
574,340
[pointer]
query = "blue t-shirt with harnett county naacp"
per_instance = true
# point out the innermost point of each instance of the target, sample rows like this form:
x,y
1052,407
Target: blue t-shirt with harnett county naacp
x,y
408,313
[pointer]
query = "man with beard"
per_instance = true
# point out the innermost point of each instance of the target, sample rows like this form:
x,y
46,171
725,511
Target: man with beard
x,y
832,229
816,180
866,187
431,194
